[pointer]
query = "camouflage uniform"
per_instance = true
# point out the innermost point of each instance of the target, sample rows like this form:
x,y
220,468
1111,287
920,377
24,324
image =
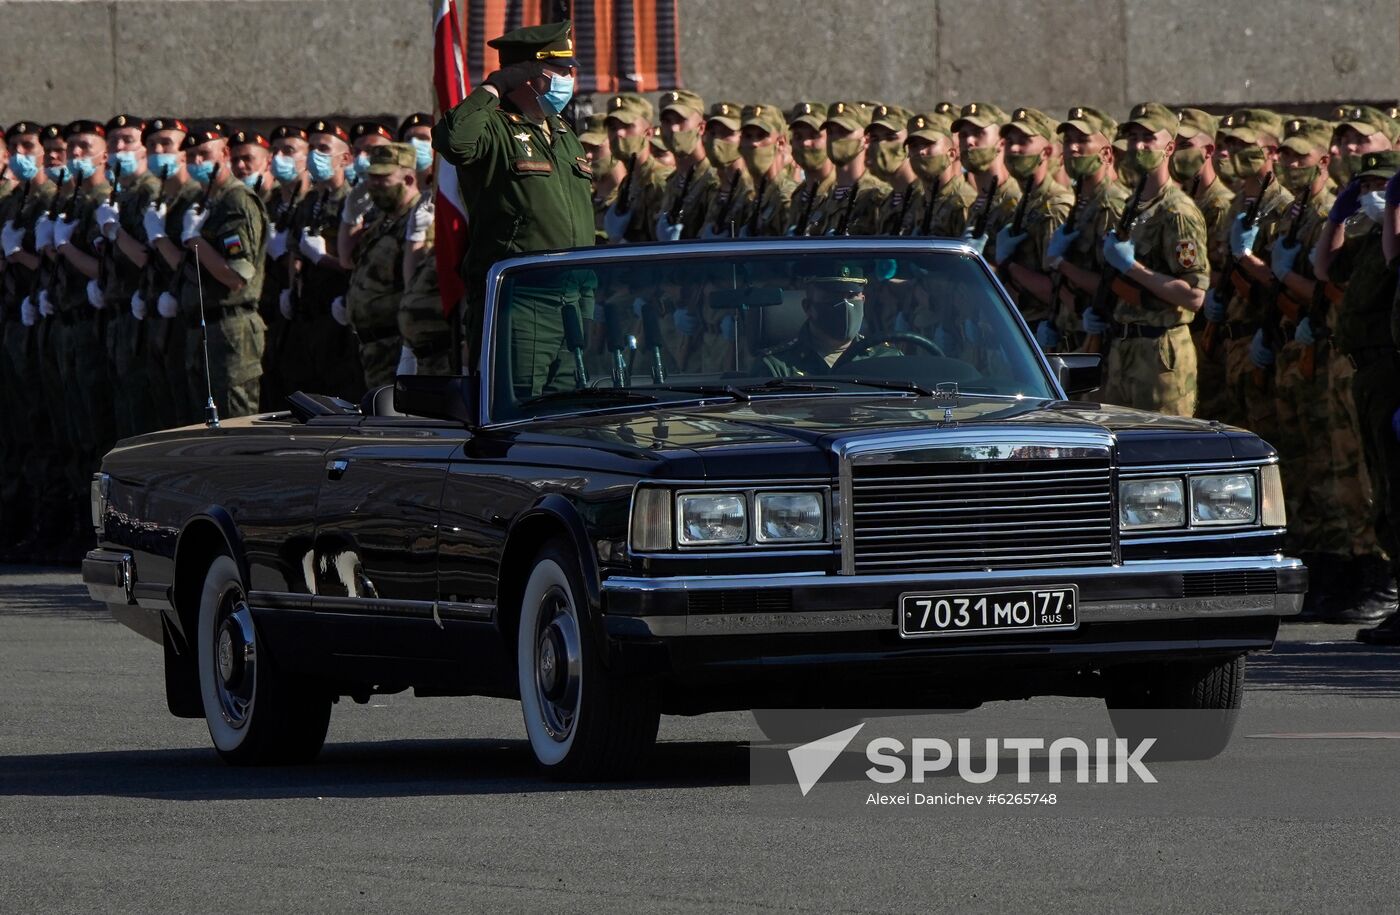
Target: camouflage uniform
x,y
1002,209
806,200
422,325
377,283
840,213
770,213
236,228
1215,201
1098,212
689,188
1044,209
1152,363
604,196
646,184
320,354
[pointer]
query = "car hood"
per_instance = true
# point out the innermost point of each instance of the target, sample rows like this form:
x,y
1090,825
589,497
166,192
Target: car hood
x,y
765,437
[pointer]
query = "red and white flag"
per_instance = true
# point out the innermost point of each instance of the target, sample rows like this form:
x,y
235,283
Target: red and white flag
x,y
449,214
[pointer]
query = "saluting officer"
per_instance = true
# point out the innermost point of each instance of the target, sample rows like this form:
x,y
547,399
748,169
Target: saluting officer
x,y
524,178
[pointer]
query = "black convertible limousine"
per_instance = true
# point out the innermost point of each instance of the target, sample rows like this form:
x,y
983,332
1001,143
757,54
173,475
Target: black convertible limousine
x,y
790,473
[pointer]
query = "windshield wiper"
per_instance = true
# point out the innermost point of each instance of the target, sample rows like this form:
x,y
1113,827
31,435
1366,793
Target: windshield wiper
x,y
889,384
705,389
789,384
624,395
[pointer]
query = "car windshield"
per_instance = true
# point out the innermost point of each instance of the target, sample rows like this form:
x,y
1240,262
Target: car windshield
x,y
572,335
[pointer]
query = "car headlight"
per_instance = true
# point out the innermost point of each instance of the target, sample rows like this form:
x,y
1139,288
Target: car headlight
x,y
1151,503
1224,499
711,519
789,517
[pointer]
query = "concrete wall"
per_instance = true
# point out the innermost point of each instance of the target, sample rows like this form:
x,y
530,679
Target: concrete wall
x,y
264,59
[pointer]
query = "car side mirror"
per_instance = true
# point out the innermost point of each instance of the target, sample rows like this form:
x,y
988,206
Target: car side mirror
x,y
450,397
1079,373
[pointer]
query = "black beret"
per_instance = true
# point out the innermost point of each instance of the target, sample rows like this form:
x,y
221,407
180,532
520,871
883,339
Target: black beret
x,y
126,120
248,138
155,125
417,119
323,125
79,127
370,128
287,131
20,128
202,134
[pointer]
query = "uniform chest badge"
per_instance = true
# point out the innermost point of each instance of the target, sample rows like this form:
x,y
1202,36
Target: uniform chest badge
x,y
524,139
1188,254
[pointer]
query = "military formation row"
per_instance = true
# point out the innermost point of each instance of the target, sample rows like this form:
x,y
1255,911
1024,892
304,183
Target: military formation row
x,y
1212,259
131,248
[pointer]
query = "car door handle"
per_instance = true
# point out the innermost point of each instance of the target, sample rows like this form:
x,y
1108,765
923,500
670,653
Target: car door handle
x,y
336,469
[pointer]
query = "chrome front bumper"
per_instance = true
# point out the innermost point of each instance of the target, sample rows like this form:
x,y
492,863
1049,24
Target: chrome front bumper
x,y
821,603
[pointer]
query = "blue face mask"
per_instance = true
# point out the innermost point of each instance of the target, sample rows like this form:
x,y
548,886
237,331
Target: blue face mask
x,y
24,167
361,165
82,168
320,165
164,164
423,153
124,163
203,172
57,173
251,181
561,90
284,168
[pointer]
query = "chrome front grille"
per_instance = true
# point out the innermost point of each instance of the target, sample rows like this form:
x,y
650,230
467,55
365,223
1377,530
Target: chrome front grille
x,y
990,514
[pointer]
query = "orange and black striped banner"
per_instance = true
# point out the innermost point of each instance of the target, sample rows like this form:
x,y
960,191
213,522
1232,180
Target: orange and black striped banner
x,y
622,45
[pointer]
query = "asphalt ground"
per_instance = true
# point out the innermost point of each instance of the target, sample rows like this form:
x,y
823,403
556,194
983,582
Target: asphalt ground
x,y
109,804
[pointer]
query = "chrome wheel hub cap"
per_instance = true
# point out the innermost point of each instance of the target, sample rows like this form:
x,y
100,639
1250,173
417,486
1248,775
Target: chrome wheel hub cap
x,y
558,665
235,656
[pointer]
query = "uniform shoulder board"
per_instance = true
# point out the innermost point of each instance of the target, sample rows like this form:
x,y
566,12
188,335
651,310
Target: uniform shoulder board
x,y
781,347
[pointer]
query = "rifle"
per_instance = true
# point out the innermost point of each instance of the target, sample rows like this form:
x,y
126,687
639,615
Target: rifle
x,y
1273,314
800,227
926,223
1224,288
844,227
723,217
757,204
904,209
624,190
979,225
677,211
1103,296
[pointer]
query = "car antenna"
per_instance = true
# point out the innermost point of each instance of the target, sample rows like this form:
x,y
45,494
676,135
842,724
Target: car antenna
x,y
211,412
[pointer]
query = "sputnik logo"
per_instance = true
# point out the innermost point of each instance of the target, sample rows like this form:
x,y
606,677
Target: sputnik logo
x,y
811,760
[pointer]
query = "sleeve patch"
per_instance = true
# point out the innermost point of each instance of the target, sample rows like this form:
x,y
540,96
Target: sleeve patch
x,y
1188,254
233,245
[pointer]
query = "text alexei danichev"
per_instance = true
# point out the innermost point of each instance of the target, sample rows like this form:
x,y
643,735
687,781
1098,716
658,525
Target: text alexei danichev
x,y
958,799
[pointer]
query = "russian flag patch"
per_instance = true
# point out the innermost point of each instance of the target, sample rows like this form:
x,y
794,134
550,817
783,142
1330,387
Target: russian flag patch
x,y
233,246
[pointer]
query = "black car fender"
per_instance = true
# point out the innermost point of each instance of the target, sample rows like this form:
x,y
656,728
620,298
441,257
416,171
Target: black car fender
x,y
204,535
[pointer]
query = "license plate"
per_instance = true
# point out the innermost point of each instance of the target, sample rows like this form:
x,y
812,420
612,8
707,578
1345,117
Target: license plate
x,y
1028,610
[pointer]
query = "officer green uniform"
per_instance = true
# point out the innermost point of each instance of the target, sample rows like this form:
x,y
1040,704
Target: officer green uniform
x,y
646,185
236,229
526,183
1250,389
690,187
1152,362
839,312
1363,330
377,282
87,389
767,211
850,209
1041,210
1214,200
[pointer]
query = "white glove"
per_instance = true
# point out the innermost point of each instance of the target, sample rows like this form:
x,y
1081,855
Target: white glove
x,y
63,231
153,221
408,363
419,222
138,306
277,244
107,215
28,312
193,222
11,238
42,232
45,306
95,297
312,247
339,312
167,306
357,206
284,303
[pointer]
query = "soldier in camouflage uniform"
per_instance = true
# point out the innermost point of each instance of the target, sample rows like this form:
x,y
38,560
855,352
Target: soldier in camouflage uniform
x,y
124,255
290,186
763,144
1073,252
978,127
1326,486
87,388
608,172
1350,252
33,491
735,186
887,158
936,160
1020,246
629,126
422,323
691,186
377,283
806,122
166,140
1162,282
854,205
1193,167
1250,139
227,236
